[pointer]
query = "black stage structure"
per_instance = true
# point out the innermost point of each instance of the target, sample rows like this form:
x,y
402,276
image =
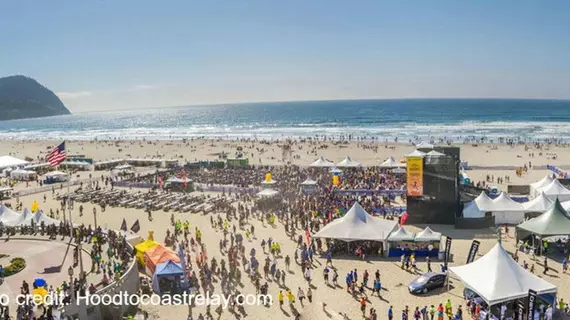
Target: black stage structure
x,y
440,203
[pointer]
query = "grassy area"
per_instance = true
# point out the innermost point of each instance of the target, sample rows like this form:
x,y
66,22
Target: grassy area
x,y
16,265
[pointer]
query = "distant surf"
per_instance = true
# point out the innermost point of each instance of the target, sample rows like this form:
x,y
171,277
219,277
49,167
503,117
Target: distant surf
x,y
458,120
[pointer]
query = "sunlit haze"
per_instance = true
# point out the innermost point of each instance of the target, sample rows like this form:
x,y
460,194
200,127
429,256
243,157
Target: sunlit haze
x,y
110,55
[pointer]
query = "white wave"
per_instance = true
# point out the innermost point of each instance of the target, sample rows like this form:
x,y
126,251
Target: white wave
x,y
449,131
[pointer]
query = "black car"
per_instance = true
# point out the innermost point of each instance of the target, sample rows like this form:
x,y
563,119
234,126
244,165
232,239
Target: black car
x,y
427,282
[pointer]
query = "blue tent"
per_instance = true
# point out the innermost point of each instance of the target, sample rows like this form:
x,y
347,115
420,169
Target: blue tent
x,y
166,269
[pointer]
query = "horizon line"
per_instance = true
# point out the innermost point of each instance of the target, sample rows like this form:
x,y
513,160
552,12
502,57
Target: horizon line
x,y
316,100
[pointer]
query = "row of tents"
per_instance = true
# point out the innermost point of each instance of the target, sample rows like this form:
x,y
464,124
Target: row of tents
x,y
359,225
10,218
506,210
390,162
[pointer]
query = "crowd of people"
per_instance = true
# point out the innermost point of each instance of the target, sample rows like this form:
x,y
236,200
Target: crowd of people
x,y
110,257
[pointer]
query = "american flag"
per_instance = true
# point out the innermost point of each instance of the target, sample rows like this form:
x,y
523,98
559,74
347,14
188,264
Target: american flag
x,y
57,155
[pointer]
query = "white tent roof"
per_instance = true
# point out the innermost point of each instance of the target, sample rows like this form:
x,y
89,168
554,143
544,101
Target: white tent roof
x,y
566,205
21,219
484,202
391,163
416,153
472,210
434,153
56,174
401,235
322,162
427,235
542,182
399,170
123,166
9,161
504,278
269,182
22,171
538,204
267,193
7,216
176,180
335,170
40,217
504,203
309,182
357,224
424,145
554,188
348,162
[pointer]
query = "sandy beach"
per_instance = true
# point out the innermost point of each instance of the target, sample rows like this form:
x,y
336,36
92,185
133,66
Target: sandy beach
x,y
394,279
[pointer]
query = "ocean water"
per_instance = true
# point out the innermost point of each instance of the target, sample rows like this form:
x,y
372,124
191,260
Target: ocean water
x,y
457,120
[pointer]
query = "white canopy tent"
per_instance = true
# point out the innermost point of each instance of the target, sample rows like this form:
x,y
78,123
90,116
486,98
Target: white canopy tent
x,y
401,235
23,175
554,190
270,182
8,216
356,225
9,161
478,207
335,170
540,184
322,162
416,153
506,210
391,163
348,163
56,174
124,166
434,153
484,202
428,235
472,211
424,145
267,193
21,220
505,279
308,182
40,217
538,204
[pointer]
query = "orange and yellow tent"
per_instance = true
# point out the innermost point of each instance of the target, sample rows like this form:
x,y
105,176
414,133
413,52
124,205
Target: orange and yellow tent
x,y
157,255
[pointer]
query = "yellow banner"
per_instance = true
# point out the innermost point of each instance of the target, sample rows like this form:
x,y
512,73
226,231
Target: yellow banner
x,y
415,176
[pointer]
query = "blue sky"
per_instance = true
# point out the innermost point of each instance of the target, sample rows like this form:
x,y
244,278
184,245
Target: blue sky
x,y
104,54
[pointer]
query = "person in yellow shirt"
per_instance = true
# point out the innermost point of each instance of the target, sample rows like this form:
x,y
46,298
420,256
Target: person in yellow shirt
x,y
291,297
280,298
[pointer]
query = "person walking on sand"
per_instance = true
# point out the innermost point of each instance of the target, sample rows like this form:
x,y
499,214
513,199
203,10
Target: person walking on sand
x,y
280,298
363,305
290,297
390,313
431,312
300,296
310,295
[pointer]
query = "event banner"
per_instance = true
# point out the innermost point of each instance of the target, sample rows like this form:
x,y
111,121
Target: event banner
x,y
531,303
473,251
447,250
520,309
415,176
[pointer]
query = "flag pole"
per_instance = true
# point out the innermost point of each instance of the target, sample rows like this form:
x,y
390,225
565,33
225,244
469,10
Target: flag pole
x,y
68,193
